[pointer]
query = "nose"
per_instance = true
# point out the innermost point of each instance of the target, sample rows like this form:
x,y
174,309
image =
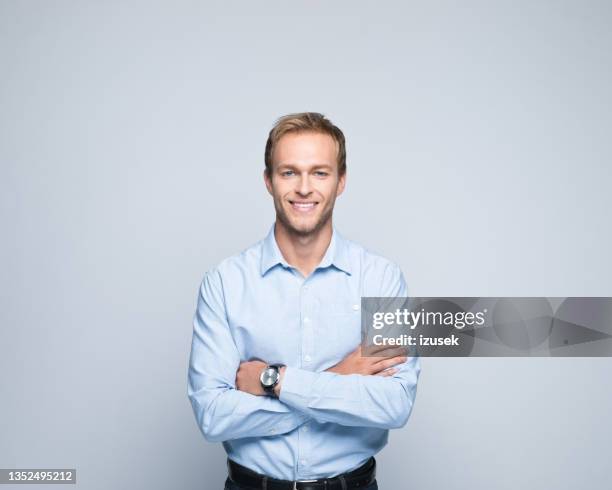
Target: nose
x,y
304,185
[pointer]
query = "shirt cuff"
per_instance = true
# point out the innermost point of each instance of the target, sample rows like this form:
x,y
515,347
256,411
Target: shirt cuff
x,y
297,386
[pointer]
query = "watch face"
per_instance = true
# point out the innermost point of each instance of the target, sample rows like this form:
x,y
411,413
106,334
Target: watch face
x,y
269,376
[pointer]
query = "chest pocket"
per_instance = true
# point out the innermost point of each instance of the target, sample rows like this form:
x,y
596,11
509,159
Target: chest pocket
x,y
340,322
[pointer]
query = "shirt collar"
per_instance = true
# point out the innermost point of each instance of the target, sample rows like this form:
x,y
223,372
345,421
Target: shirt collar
x,y
336,254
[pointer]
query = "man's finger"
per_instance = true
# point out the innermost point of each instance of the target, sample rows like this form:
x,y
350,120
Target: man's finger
x,y
388,352
385,363
387,372
373,349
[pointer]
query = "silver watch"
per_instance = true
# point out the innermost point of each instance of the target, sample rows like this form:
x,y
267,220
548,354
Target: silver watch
x,y
269,378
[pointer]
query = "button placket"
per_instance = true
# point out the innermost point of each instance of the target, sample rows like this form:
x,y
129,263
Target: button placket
x,y
306,307
307,327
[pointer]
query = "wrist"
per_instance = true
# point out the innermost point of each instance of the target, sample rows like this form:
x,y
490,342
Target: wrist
x,y
277,387
269,378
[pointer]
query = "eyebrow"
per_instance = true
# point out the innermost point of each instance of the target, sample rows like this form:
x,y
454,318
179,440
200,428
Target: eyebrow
x,y
293,165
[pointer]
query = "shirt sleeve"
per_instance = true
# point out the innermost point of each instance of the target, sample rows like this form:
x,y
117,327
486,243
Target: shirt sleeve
x,y
354,399
221,411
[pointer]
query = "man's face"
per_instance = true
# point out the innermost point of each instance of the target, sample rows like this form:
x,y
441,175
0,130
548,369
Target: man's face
x,y
304,181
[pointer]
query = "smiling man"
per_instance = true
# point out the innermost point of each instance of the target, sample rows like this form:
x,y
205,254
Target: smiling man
x,y
276,370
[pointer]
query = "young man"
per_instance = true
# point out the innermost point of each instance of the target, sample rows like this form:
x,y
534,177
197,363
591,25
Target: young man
x,y
276,370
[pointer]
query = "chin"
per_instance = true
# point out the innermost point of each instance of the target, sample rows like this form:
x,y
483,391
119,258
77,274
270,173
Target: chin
x,y
303,229
300,228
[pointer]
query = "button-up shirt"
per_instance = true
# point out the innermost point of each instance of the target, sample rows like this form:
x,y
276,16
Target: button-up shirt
x,y
255,305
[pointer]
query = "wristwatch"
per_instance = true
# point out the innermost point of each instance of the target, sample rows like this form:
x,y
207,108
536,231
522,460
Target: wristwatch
x,y
269,378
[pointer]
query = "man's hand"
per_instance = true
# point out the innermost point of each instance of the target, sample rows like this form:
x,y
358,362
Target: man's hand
x,y
247,377
357,363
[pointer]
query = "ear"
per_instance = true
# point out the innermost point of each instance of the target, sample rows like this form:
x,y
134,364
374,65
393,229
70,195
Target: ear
x,y
341,184
268,182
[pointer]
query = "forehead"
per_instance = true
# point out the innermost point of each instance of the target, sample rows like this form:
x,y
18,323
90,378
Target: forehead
x,y
305,148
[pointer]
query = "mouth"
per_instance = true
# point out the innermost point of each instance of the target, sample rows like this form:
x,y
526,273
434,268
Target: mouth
x,y
303,206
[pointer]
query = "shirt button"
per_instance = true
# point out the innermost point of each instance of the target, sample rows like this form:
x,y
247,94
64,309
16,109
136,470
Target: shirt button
x,y
306,319
307,358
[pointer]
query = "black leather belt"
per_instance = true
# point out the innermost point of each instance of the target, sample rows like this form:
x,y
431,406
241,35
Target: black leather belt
x,y
358,478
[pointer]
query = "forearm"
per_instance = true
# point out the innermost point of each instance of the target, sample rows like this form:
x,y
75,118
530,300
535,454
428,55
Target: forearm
x,y
354,399
223,412
226,414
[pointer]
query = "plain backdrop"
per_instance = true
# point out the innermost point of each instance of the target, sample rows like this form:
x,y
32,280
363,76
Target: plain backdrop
x,y
132,136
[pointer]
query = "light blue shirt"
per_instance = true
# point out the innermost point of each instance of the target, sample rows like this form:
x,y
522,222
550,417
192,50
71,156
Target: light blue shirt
x,y
254,305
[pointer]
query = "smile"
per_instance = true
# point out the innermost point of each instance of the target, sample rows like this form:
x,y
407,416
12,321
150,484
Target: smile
x,y
303,207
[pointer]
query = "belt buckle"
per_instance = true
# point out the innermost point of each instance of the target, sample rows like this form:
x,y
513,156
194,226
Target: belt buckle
x,y
301,481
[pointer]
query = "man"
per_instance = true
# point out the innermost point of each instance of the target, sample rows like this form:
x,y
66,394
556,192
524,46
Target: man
x,y
276,370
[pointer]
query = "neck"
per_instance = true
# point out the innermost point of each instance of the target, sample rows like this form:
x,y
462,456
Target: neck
x,y
304,252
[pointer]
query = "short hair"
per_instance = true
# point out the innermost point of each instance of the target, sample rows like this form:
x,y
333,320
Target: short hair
x,y
304,122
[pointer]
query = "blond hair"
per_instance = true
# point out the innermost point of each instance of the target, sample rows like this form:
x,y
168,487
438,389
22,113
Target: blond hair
x,y
303,122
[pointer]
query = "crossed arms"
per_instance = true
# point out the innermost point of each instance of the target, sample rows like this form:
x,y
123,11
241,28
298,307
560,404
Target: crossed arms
x,y
228,401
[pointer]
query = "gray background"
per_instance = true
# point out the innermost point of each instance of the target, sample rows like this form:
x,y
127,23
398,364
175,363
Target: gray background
x,y
131,148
